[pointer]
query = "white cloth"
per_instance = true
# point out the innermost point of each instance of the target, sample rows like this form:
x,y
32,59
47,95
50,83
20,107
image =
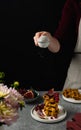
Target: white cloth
x,y
73,79
78,44
43,41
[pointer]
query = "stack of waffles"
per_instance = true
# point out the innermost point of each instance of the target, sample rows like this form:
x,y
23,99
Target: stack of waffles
x,y
51,100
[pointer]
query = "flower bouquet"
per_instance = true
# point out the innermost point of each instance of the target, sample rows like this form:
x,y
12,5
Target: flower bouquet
x,y
10,102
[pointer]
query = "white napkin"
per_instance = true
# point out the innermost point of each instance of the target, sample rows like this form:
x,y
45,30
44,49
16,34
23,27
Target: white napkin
x,y
43,41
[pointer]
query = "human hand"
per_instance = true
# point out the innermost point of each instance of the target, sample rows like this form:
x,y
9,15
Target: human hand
x,y
51,42
42,39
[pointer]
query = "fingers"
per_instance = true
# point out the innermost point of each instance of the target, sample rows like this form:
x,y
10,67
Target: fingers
x,y
37,35
35,40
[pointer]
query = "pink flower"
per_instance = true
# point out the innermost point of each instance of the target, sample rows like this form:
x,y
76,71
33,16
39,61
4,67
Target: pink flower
x,y
14,98
10,101
7,114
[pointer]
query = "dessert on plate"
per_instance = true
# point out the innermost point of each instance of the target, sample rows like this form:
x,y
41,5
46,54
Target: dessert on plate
x,y
72,93
51,100
27,93
50,105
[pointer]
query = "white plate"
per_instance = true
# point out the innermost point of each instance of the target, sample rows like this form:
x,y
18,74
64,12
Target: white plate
x,y
71,99
36,93
47,119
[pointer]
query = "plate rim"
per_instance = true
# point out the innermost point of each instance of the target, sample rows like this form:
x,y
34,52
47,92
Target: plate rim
x,y
46,120
71,100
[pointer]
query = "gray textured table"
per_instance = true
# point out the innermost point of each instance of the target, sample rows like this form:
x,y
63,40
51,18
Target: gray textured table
x,y
26,122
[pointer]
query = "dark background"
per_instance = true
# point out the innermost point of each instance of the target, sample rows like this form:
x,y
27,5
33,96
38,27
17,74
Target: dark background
x,y
20,59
